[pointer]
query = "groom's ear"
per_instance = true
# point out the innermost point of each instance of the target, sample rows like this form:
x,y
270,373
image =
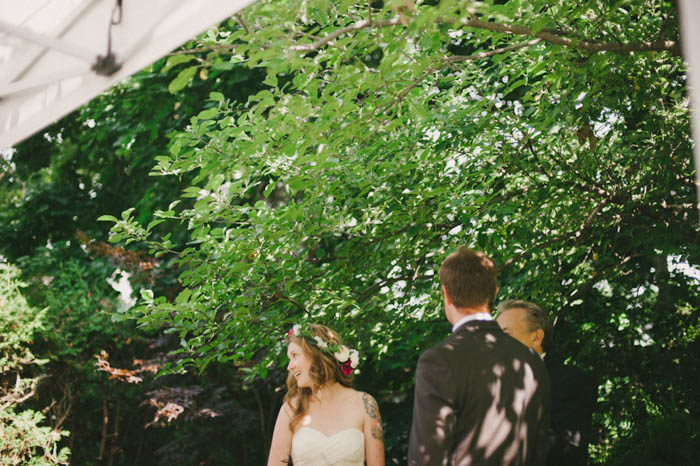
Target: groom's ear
x,y
445,295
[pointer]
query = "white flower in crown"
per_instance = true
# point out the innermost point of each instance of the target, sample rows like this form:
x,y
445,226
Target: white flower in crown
x,y
296,329
320,342
354,358
343,354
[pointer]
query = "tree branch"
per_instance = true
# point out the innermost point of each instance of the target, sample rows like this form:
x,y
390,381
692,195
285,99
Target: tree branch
x,y
490,53
105,421
220,48
456,59
62,408
243,24
22,391
261,411
339,32
558,38
573,234
552,36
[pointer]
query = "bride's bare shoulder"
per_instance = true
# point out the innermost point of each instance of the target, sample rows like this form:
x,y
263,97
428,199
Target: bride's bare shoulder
x,y
362,395
369,404
353,394
290,406
358,397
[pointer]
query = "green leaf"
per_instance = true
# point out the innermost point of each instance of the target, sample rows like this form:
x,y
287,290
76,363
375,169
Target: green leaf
x,y
127,213
208,113
271,80
216,96
182,79
154,223
537,68
176,147
540,24
514,86
224,66
176,60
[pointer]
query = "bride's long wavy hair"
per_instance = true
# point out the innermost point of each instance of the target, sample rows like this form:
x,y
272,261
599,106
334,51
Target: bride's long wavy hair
x,y
324,369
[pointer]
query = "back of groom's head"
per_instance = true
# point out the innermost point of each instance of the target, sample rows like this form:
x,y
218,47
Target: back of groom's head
x,y
469,277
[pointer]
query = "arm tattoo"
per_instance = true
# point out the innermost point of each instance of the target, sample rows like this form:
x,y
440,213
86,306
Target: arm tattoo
x,y
370,406
373,412
378,432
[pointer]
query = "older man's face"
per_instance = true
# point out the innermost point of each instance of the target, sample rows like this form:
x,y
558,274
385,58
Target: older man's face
x,y
512,321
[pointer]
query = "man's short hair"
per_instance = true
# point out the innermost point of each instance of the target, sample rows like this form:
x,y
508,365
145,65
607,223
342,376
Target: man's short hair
x,y
469,277
535,318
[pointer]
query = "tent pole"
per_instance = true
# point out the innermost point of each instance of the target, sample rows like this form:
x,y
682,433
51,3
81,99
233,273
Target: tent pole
x,y
688,15
28,59
49,42
55,78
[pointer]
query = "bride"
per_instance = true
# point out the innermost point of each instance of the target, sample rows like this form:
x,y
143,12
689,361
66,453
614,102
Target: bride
x,y
323,421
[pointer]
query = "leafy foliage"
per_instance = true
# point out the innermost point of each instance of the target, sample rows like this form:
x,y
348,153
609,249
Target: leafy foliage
x,y
18,322
22,439
661,441
388,135
315,161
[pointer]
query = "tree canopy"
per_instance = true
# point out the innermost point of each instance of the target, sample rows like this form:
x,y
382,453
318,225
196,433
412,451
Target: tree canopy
x,y
316,161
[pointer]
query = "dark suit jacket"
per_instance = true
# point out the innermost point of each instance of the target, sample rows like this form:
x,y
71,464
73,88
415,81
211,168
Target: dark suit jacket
x,y
574,394
481,399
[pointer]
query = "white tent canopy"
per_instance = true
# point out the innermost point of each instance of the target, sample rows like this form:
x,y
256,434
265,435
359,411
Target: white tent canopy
x,y
52,51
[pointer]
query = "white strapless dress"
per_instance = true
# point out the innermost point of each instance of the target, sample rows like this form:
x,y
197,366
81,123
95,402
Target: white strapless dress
x,y
312,448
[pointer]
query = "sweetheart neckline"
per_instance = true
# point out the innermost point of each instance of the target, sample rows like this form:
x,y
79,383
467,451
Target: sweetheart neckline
x,y
332,435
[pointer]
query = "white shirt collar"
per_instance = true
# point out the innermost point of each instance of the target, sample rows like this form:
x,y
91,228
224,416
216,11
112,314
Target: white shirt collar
x,y
470,317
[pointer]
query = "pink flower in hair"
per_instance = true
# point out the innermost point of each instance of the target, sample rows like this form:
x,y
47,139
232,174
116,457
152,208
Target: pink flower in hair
x,y
346,367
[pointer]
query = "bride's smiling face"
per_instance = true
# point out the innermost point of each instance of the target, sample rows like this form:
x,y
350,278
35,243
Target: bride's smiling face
x,y
299,365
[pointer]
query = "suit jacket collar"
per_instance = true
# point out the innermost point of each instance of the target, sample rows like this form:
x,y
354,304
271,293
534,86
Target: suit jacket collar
x,y
477,324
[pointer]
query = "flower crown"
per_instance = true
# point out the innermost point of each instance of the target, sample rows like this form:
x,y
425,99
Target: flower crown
x,y
348,358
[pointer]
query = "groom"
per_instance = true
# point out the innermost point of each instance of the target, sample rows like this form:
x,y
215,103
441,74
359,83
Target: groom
x,y
481,397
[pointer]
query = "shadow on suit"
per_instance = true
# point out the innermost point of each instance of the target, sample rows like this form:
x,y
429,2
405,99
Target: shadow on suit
x,y
482,398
